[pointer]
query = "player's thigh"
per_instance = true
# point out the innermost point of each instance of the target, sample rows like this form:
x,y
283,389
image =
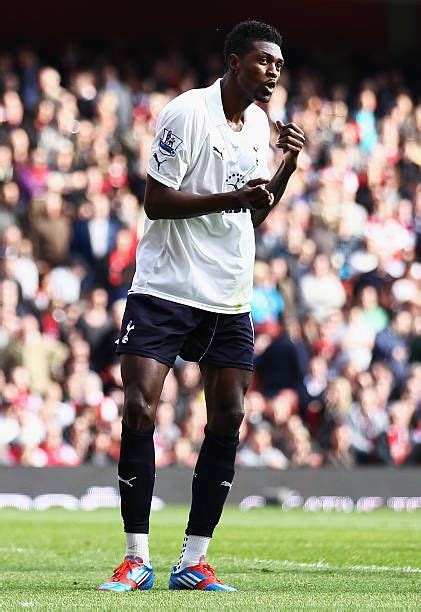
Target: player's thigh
x,y
225,389
143,379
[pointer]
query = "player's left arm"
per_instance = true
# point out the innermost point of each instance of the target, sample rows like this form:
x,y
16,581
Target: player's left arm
x,y
291,140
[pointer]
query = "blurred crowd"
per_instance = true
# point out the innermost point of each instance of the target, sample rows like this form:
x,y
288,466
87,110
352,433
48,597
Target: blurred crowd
x,y
337,279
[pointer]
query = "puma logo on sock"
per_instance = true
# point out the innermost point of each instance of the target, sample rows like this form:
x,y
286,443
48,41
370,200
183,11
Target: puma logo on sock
x,y
224,483
127,482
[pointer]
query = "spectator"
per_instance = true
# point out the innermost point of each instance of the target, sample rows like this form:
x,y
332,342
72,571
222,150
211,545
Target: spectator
x,y
40,355
374,315
184,455
57,452
340,454
51,229
278,367
9,207
94,237
304,450
121,263
267,304
315,382
284,284
255,408
357,341
166,433
259,452
189,379
392,344
366,120
100,454
96,324
369,425
398,434
322,291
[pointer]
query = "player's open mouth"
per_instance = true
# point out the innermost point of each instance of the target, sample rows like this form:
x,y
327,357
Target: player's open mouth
x,y
268,88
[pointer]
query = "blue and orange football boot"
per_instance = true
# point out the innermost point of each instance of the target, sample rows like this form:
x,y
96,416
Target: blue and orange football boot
x,y
199,577
131,575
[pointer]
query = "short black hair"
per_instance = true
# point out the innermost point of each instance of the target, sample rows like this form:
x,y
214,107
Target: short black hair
x,y
241,38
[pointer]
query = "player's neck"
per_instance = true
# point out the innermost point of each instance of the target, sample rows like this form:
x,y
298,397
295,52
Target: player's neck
x,y
234,104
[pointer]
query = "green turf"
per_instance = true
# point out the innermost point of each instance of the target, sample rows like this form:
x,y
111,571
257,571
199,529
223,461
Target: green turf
x,y
277,560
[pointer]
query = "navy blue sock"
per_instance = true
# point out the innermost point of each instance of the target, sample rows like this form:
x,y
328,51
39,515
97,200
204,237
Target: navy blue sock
x,y
136,475
213,476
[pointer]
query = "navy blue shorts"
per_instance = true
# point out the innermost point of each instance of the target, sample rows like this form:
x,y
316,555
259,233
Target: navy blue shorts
x,y
160,329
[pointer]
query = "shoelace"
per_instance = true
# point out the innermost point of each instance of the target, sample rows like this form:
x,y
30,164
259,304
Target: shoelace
x,y
209,571
121,569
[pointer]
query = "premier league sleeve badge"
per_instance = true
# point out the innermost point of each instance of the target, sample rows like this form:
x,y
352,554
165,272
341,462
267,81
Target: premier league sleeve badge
x,y
169,143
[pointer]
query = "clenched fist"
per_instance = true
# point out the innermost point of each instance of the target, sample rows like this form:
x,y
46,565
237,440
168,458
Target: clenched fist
x,y
254,195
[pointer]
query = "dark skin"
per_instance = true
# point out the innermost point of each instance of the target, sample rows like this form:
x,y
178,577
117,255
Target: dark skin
x,y
249,78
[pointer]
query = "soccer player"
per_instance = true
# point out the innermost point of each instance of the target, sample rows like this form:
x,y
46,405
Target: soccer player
x,y
207,188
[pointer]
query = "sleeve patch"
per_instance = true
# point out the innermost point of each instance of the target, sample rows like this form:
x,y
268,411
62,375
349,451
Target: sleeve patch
x,y
169,143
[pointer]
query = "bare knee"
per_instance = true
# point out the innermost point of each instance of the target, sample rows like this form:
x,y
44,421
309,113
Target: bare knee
x,y
227,420
138,409
142,380
233,421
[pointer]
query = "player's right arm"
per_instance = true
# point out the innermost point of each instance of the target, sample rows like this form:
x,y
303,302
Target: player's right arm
x,y
174,151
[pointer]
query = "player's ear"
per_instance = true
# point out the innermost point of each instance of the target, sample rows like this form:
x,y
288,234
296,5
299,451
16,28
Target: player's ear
x,y
234,63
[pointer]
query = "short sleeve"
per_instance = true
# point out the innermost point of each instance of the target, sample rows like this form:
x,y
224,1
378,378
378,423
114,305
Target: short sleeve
x,y
171,148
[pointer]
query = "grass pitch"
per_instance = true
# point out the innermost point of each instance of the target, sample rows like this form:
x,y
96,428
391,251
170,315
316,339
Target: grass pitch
x,y
279,561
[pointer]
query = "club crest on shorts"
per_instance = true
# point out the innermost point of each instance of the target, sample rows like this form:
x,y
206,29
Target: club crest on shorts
x,y
129,328
169,143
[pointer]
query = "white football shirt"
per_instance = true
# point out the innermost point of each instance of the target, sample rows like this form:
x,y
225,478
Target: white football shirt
x,y
206,261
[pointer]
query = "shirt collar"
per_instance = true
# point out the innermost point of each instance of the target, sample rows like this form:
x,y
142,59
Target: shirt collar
x,y
214,103
215,107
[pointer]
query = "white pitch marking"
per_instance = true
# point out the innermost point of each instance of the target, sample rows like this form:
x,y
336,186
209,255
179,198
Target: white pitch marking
x,y
323,565
15,550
